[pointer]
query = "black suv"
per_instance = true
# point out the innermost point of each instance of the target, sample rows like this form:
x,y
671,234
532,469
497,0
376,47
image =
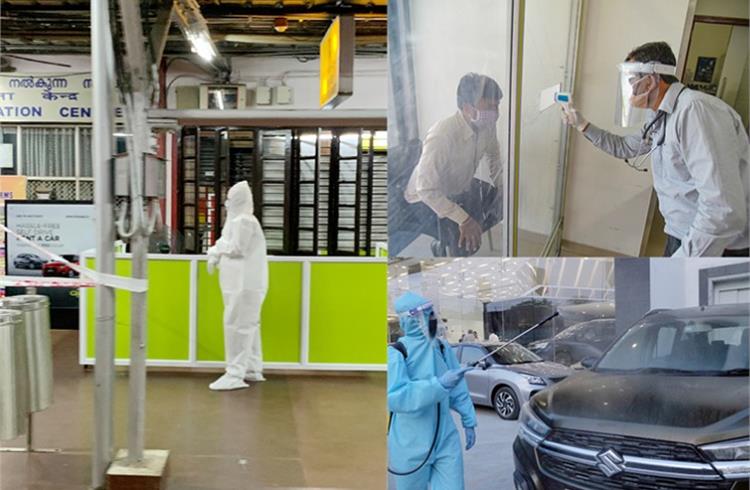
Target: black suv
x,y
577,342
666,407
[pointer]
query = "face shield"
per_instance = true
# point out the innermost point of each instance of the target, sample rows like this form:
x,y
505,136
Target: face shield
x,y
637,82
426,320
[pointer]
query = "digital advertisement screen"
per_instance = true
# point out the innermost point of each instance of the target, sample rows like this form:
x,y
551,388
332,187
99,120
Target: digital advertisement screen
x,y
65,228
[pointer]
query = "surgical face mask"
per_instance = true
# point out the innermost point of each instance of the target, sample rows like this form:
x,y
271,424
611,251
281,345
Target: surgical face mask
x,y
643,88
485,119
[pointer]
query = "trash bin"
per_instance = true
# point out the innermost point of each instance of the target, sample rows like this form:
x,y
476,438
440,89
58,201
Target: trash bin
x,y
14,376
35,312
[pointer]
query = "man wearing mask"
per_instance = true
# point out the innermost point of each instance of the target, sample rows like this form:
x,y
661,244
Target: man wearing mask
x,y
425,382
699,154
444,179
240,254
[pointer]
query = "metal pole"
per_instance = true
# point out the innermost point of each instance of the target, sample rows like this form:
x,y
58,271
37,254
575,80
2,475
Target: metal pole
x,y
105,258
138,70
137,401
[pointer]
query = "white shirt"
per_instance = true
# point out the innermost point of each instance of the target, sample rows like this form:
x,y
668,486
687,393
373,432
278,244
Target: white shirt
x,y
451,154
700,172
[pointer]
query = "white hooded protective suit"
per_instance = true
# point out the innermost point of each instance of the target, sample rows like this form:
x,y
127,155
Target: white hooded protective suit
x,y
243,276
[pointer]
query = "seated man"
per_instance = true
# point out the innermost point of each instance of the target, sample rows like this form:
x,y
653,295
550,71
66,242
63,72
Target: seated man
x,y
456,206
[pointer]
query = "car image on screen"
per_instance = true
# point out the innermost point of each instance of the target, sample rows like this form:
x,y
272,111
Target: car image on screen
x,y
58,268
28,261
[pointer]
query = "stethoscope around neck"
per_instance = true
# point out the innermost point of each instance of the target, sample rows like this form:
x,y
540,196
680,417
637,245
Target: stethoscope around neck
x,y
637,164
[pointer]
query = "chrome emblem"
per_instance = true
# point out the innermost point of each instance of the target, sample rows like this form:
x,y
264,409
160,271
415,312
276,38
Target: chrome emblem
x,y
610,462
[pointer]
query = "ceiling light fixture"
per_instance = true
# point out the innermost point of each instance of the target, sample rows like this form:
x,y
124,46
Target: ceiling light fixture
x,y
280,24
195,29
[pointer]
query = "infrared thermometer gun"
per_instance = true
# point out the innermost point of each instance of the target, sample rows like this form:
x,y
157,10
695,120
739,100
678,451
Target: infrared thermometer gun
x,y
564,99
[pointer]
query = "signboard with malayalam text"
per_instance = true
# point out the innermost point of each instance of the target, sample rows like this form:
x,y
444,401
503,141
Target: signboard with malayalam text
x,y
337,63
57,98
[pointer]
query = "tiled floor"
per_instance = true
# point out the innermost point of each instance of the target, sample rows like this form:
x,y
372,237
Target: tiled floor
x,y
325,432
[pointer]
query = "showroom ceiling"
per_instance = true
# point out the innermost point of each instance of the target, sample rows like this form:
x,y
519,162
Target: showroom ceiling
x,y
239,27
486,280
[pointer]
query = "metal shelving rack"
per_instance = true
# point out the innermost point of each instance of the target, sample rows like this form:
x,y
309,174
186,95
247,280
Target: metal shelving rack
x,y
316,191
275,196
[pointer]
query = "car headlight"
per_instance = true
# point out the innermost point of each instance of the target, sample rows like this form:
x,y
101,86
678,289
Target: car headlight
x,y
730,458
532,428
540,346
534,380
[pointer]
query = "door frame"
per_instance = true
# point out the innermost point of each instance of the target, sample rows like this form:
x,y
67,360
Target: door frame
x,y
711,275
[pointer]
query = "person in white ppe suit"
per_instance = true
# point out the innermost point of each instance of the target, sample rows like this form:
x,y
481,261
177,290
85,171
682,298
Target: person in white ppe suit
x,y
699,152
240,255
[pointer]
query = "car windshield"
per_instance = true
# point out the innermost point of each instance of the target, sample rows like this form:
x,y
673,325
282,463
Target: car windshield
x,y
715,346
572,331
513,354
70,258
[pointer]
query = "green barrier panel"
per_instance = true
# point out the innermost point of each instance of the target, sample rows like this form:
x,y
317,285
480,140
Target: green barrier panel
x,y
280,318
168,314
348,313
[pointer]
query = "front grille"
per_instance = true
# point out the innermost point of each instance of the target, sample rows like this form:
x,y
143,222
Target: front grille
x,y
590,477
557,379
630,446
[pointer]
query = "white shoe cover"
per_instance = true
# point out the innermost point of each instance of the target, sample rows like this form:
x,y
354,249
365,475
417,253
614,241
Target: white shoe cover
x,y
227,382
254,377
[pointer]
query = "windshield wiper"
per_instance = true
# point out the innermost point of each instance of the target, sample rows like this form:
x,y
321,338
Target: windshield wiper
x,y
658,370
734,372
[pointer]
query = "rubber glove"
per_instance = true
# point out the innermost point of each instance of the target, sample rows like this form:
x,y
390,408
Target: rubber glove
x,y
451,378
471,437
213,260
572,117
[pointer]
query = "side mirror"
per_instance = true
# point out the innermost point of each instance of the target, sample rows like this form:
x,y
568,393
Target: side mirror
x,y
483,365
589,362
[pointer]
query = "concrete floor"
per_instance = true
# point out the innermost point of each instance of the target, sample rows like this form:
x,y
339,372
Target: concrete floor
x,y
290,432
489,464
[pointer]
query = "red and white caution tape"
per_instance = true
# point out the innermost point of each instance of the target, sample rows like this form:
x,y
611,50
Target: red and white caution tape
x,y
45,282
89,277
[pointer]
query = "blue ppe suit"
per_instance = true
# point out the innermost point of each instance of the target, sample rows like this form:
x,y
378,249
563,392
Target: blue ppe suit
x,y
414,393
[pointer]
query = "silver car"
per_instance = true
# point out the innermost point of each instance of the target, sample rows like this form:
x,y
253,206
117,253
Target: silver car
x,y
509,377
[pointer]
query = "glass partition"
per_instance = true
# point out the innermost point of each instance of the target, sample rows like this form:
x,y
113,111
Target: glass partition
x,y
549,43
449,115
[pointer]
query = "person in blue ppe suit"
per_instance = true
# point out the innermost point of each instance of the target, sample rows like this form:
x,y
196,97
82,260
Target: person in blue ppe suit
x,y
425,382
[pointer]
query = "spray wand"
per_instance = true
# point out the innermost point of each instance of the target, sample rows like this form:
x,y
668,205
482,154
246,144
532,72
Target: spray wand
x,y
503,346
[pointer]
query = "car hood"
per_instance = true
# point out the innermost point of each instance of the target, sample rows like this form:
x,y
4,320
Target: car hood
x,y
695,409
542,369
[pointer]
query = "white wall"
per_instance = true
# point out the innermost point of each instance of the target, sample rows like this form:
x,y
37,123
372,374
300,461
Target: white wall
x,y
607,202
370,77
370,80
451,39
546,37
723,8
675,282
